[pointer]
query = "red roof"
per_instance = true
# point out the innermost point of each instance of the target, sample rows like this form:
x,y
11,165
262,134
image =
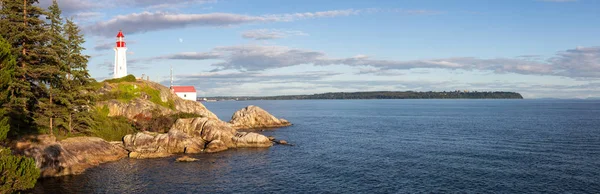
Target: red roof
x,y
120,34
178,89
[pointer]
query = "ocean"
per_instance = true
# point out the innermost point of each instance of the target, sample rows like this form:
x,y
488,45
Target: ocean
x,y
382,146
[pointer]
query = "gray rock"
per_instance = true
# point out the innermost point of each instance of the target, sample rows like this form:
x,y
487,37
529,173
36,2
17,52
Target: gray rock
x,y
69,156
193,135
254,117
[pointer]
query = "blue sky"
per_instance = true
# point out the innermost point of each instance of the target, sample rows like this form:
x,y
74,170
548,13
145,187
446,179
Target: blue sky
x,y
540,48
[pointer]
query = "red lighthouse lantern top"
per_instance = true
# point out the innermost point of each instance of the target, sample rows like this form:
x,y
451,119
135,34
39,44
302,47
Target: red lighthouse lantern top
x,y
120,39
120,34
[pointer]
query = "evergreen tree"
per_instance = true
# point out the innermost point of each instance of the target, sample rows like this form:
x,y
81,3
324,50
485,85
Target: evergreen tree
x,y
79,79
54,109
7,69
26,32
16,172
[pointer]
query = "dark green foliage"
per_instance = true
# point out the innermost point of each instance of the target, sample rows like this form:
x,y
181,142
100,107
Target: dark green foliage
x,y
109,128
48,88
128,78
4,125
12,94
389,95
7,70
16,172
23,28
82,86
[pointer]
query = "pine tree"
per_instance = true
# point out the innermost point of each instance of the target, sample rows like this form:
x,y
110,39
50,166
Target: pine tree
x,y
79,77
56,107
20,26
17,173
7,69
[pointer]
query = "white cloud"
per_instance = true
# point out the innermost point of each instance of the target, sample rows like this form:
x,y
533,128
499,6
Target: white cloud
x,y
154,21
267,34
578,62
73,6
574,63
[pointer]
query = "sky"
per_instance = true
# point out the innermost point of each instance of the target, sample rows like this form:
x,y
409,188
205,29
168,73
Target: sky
x,y
539,48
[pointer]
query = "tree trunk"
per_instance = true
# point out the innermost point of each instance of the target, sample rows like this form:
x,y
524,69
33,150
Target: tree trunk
x,y
24,49
25,28
70,121
51,111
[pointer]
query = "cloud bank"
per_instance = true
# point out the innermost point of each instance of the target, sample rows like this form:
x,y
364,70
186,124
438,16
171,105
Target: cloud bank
x,y
154,21
268,34
578,62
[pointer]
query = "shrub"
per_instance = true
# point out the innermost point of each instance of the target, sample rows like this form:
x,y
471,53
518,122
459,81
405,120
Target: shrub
x,y
109,128
4,126
128,78
18,172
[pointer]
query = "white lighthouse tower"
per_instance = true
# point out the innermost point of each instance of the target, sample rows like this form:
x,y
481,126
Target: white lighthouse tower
x,y
120,57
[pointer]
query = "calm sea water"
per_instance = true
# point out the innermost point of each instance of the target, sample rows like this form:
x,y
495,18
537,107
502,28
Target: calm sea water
x,y
383,146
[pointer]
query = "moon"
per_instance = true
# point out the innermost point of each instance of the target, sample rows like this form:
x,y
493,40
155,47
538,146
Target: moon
x,y
180,40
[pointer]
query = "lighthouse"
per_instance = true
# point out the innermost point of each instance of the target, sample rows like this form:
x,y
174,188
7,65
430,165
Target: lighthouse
x,y
120,57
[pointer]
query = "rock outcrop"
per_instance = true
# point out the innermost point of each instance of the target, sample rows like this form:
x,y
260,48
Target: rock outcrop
x,y
254,117
143,106
69,156
186,159
194,135
203,134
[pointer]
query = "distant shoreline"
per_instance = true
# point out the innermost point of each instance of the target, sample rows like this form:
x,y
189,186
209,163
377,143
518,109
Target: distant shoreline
x,y
376,95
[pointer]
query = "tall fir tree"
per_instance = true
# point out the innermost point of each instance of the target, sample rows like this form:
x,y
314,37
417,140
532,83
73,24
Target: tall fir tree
x,y
54,109
7,70
22,27
48,86
82,91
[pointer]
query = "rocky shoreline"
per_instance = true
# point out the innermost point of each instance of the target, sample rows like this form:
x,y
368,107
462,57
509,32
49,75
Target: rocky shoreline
x,y
202,134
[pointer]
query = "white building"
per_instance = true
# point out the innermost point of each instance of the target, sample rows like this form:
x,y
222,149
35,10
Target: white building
x,y
120,69
185,92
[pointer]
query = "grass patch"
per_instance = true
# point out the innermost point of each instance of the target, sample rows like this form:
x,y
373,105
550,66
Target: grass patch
x,y
97,85
128,78
122,92
127,92
154,95
109,128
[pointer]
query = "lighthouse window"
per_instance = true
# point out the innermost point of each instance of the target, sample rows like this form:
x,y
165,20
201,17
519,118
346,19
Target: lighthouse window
x,y
185,95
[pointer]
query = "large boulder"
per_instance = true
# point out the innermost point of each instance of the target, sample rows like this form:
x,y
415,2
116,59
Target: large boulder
x,y
193,135
69,156
254,117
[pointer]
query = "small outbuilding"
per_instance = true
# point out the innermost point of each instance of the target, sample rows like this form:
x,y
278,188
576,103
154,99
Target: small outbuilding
x,y
185,92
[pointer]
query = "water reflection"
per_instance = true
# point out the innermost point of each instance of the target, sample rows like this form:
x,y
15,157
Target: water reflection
x,y
163,174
